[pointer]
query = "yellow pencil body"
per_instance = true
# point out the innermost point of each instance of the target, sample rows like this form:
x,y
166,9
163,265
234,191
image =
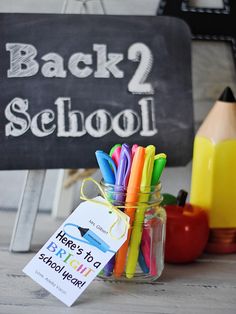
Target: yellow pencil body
x,y
214,180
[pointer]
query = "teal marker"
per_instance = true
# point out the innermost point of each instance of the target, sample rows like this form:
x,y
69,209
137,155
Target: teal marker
x,y
159,165
142,262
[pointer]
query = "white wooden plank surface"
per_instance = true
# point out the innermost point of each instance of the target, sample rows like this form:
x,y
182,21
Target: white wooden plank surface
x,y
206,286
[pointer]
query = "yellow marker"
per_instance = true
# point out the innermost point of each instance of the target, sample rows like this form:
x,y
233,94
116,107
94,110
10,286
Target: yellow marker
x,y
136,235
214,164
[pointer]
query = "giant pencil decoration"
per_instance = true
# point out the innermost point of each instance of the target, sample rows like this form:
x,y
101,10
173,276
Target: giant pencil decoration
x,y
214,172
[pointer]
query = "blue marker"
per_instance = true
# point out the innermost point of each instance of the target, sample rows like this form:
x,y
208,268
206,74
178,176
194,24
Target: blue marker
x,y
142,262
105,163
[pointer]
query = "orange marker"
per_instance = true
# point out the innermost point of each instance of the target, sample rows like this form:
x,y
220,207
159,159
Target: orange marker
x,y
131,199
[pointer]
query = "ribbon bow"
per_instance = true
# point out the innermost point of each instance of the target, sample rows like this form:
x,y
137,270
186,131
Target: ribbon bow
x,y
120,216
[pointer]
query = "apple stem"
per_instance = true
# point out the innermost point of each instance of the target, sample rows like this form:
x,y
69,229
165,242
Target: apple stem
x,y
181,198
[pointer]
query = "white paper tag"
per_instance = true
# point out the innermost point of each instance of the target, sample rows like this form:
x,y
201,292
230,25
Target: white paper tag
x,y
77,251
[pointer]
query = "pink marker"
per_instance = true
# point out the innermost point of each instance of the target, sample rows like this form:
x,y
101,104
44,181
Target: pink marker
x,y
145,246
148,246
134,148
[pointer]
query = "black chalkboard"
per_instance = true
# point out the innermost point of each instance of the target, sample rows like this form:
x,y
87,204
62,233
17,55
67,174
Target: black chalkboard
x,y
72,84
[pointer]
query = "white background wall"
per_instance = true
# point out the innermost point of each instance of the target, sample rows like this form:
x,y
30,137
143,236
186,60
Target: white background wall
x,y
212,68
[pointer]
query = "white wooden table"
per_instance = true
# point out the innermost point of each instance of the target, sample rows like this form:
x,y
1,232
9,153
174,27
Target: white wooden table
x,y
206,286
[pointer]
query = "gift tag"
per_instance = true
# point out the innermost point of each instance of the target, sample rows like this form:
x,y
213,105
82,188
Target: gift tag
x,y
78,250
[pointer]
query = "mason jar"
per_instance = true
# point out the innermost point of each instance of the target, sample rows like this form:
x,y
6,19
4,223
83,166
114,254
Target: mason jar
x,y
141,257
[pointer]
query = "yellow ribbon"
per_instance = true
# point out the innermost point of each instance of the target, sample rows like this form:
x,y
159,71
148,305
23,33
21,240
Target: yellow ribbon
x,y
114,209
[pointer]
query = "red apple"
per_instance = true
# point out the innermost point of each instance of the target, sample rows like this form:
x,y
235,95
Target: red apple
x,y
187,232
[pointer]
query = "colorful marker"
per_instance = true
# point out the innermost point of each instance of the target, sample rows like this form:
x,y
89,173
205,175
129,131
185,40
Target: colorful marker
x,y
105,163
150,257
159,165
131,199
115,153
142,262
145,189
123,173
133,150
122,177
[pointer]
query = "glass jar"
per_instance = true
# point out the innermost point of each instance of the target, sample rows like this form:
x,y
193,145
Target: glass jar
x,y
141,257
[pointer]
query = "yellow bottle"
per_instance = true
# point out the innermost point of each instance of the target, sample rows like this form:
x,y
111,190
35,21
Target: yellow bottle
x,y
214,164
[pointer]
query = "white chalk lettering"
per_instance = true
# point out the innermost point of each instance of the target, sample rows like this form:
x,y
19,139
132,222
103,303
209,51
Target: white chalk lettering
x,y
39,122
15,112
104,66
124,123
54,66
148,117
75,119
74,61
22,62
102,119
73,123
139,52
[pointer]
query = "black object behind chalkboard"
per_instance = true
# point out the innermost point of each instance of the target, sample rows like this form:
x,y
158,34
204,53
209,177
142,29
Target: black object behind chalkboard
x,y
218,24
73,84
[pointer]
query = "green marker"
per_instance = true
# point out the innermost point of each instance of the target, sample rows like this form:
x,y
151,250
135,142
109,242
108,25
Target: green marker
x,y
159,165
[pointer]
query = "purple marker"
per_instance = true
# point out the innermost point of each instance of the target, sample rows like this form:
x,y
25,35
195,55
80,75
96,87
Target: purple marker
x,y
123,173
122,179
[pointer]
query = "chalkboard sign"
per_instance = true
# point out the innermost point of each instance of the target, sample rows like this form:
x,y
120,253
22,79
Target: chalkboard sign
x,y
72,84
